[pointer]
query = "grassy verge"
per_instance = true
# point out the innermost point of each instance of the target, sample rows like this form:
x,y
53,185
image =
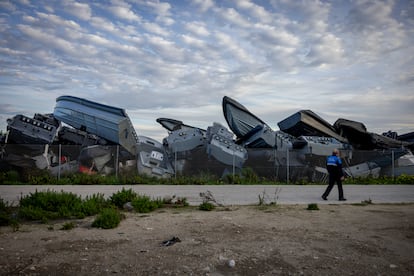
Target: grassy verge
x,y
50,205
247,177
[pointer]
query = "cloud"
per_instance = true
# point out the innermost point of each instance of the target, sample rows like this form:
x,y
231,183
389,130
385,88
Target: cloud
x,y
162,9
79,10
373,29
255,10
326,50
123,10
233,17
197,28
204,5
177,59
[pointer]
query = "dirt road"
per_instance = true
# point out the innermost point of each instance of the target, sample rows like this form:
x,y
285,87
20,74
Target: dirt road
x,y
376,239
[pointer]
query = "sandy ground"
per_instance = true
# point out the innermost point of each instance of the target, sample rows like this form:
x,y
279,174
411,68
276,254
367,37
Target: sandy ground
x,y
376,239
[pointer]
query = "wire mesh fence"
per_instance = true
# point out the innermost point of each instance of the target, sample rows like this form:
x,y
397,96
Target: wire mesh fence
x,y
289,166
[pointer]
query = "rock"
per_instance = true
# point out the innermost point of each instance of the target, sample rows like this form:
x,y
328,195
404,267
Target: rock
x,y
231,263
128,206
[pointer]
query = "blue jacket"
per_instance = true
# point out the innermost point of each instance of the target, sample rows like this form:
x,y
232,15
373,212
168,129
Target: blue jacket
x,y
333,160
334,165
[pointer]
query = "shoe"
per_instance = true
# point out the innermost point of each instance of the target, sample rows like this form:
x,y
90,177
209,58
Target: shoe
x,y
324,198
342,199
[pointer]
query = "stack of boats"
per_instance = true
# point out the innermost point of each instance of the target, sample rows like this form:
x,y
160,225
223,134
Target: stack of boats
x,y
82,135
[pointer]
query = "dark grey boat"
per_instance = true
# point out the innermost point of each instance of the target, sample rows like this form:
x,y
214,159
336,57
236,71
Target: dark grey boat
x,y
360,138
41,129
250,130
308,123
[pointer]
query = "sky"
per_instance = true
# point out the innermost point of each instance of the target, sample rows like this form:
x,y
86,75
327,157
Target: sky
x,y
178,59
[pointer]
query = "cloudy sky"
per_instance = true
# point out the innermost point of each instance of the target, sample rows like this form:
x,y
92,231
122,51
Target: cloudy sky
x,y
177,59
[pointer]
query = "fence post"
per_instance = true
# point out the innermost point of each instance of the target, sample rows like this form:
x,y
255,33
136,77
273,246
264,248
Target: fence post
x,y
117,161
234,165
175,163
60,158
274,164
287,166
393,165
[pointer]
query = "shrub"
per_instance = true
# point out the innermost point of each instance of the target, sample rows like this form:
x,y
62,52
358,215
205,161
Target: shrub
x,y
36,213
50,205
312,207
206,206
175,201
10,177
143,204
250,176
405,179
43,178
68,226
122,197
6,215
92,205
108,218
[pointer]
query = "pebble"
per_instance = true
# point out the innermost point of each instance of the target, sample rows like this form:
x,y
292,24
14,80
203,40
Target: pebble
x,y
231,263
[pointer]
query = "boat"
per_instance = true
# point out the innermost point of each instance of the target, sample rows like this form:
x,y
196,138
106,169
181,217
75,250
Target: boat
x,y
192,149
181,137
223,148
360,138
108,122
250,130
308,123
41,129
28,139
98,138
152,159
317,145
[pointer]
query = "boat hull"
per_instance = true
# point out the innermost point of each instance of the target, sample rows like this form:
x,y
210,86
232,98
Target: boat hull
x,y
110,123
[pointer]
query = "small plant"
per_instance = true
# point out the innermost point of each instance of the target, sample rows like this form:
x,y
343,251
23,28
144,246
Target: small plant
x,y
249,176
93,204
175,201
208,197
121,197
108,218
144,204
68,226
10,177
50,205
367,201
208,200
7,215
264,199
181,201
206,206
312,207
364,202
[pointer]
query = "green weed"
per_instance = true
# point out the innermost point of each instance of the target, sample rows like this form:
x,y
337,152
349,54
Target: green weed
x,y
121,197
312,207
68,226
206,206
144,204
108,218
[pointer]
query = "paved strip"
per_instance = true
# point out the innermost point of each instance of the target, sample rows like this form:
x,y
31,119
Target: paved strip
x,y
232,194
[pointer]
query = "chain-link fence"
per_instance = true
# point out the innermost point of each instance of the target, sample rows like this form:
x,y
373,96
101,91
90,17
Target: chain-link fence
x,y
288,166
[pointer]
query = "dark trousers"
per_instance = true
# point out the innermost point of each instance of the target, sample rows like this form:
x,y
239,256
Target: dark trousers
x,y
332,179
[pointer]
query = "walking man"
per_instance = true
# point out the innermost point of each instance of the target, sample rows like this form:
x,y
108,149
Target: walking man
x,y
334,166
